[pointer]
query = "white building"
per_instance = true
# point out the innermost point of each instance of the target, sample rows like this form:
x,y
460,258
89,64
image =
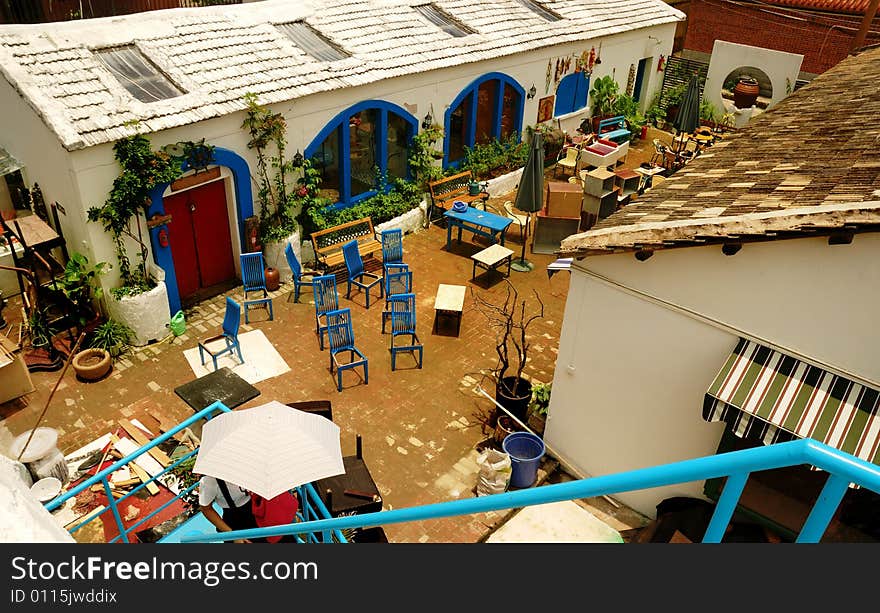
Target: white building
x,y
479,69
743,289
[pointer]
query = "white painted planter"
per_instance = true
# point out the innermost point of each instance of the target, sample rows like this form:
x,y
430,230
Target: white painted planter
x,y
504,184
273,254
146,314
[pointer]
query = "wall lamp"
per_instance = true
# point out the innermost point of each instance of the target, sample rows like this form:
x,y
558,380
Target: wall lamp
x,y
731,248
532,92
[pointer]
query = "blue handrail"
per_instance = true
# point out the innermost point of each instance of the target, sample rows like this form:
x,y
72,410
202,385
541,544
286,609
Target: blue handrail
x,y
737,465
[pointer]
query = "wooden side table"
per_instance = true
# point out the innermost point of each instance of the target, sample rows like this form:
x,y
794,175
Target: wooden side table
x,y
490,259
449,303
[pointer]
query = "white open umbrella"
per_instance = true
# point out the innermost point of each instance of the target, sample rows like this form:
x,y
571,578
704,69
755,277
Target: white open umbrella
x,y
269,449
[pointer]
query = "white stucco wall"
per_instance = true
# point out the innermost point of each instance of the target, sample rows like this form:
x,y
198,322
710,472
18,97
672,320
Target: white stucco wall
x,y
631,372
82,179
23,519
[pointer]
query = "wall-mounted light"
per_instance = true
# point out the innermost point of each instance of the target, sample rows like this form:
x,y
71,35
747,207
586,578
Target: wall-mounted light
x,y
297,159
532,92
731,248
643,254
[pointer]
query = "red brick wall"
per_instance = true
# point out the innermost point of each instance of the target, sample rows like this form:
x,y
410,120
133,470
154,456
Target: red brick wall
x,y
822,40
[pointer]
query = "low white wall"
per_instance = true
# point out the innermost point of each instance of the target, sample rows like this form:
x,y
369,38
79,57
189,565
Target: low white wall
x,y
23,519
504,184
146,314
408,222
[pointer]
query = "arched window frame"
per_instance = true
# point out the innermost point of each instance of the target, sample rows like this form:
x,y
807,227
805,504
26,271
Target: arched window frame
x,y
571,91
340,120
504,81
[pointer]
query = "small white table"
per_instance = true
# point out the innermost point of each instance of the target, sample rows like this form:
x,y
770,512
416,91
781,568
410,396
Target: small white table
x,y
647,175
449,303
490,259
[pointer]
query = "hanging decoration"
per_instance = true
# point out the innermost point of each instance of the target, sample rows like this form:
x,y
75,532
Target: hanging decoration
x,y
631,80
591,61
599,55
556,73
547,84
661,64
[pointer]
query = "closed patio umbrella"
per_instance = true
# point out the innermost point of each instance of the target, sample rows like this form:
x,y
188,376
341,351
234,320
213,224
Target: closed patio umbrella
x,y
269,449
688,118
530,195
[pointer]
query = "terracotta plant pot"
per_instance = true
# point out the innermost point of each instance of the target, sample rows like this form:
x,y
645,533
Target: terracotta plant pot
x,y
91,364
273,279
745,93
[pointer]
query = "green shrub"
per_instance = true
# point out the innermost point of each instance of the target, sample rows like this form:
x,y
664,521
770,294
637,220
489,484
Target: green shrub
x,y
112,336
495,157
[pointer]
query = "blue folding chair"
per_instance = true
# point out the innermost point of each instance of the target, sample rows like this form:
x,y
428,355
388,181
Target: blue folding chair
x,y
403,325
357,276
231,323
341,337
253,278
299,279
326,300
395,283
392,248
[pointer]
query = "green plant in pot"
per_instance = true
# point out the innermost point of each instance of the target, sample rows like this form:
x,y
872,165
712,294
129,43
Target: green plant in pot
x,y
510,320
539,406
80,285
41,333
112,336
604,94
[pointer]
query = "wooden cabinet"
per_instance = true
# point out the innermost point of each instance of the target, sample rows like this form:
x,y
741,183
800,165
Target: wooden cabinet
x,y
600,192
549,231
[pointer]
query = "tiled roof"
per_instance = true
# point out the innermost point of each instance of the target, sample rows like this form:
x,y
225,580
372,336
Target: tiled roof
x,y
800,166
853,7
217,54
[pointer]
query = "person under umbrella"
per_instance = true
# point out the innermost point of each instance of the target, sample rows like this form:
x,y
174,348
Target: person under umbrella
x,y
530,195
234,500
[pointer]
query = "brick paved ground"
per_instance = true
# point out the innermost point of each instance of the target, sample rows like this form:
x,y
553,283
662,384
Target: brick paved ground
x,y
420,428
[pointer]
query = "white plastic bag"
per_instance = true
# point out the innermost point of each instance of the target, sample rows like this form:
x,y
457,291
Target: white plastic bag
x,y
495,468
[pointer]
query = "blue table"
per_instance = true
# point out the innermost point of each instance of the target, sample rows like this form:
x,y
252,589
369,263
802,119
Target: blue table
x,y
479,222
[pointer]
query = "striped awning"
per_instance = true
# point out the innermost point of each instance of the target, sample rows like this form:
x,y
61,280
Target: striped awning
x,y
766,394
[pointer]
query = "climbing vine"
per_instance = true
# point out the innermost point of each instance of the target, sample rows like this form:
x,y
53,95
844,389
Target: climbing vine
x,y
142,170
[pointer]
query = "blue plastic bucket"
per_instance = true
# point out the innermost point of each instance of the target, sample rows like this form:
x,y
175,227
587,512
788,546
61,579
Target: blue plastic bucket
x,y
525,450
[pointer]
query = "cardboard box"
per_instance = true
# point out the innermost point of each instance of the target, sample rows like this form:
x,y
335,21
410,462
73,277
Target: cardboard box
x,y
15,380
563,199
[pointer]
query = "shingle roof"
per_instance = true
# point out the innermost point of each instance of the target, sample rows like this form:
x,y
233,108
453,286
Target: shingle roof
x,y
854,7
818,148
217,54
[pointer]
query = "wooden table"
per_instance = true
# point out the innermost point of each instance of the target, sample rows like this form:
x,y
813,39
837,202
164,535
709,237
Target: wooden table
x,y
222,384
490,259
449,303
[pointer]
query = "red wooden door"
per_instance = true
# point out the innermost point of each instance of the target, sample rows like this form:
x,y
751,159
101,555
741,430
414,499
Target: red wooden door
x,y
199,237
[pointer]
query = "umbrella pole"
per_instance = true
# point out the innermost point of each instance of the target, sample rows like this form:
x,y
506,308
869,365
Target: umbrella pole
x,y
522,264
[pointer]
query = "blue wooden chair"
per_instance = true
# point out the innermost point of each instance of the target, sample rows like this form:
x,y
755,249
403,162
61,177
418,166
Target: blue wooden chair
x,y
357,276
395,283
231,323
340,335
403,326
392,248
253,278
326,300
299,278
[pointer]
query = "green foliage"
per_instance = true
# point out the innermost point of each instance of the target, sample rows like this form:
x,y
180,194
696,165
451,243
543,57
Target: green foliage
x,y
540,402
307,196
142,170
186,478
655,114
495,157
268,129
675,94
80,284
112,336
708,111
627,106
422,154
604,94
40,331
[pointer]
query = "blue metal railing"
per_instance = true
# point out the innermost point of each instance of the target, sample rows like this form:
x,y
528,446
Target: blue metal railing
x,y
312,507
843,469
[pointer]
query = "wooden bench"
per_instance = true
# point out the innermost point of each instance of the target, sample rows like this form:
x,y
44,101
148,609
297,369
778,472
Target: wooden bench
x,y
328,242
447,190
614,129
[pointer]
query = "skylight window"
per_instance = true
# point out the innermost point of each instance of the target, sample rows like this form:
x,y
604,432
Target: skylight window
x,y
540,10
312,42
443,20
137,74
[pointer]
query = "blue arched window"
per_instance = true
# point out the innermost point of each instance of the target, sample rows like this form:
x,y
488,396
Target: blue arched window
x,y
491,107
571,93
369,134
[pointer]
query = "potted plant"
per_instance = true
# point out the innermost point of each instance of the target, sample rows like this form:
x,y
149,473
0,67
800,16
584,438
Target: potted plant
x,y
539,406
112,336
510,320
604,95
140,292
276,195
80,285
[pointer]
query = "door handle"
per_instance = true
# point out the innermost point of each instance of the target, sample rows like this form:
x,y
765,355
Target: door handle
x,y
192,207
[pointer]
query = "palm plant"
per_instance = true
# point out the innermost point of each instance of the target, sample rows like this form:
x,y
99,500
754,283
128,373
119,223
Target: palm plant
x,y
604,95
